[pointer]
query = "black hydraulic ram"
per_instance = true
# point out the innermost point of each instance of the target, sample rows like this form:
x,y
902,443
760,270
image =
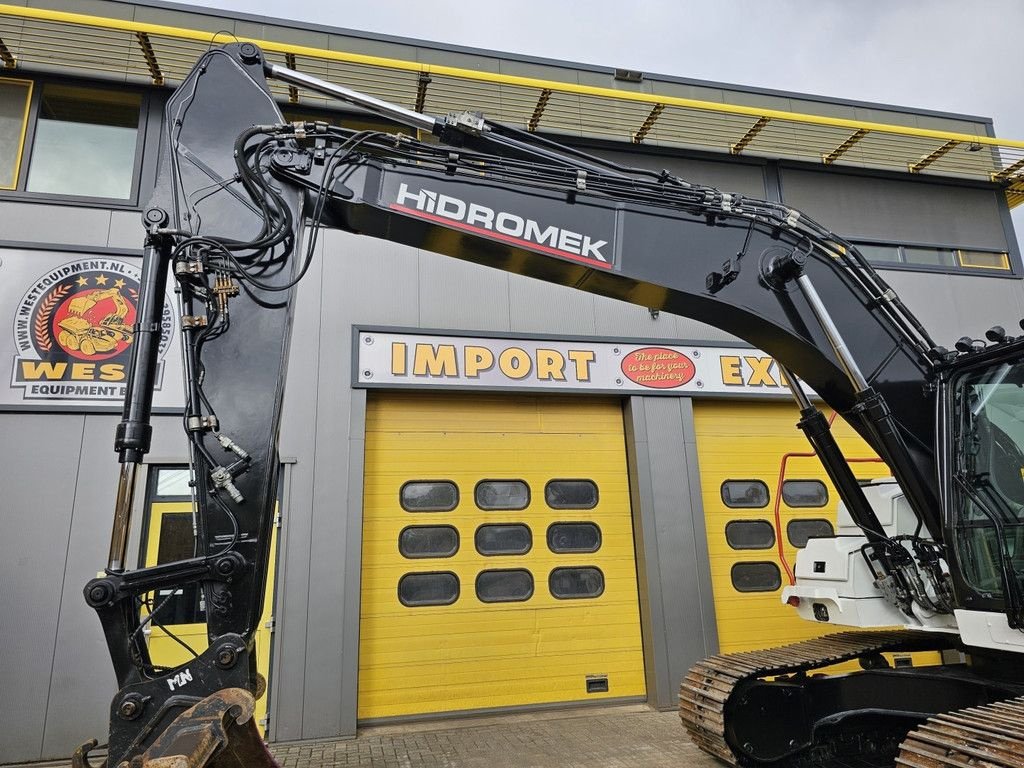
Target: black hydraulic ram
x,y
134,434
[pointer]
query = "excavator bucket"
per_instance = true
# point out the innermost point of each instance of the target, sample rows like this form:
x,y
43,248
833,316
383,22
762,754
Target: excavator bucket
x,y
218,732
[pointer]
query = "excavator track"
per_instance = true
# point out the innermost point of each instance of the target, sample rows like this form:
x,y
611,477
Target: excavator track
x,y
991,736
706,689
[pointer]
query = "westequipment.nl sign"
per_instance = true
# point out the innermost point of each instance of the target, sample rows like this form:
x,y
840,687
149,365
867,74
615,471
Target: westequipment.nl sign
x,y
399,359
69,320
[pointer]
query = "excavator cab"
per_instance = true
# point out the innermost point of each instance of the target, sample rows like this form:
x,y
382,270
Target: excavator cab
x,y
985,406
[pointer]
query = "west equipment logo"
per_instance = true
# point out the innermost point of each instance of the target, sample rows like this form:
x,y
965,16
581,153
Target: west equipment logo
x,y
73,332
500,225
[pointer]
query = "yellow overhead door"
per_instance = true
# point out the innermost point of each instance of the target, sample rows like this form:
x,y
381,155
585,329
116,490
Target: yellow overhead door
x,y
740,447
498,563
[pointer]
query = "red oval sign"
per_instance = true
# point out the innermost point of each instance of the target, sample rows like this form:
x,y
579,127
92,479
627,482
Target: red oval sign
x,y
657,367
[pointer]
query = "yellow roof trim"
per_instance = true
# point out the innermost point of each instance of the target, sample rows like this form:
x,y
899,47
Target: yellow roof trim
x,y
44,14
40,36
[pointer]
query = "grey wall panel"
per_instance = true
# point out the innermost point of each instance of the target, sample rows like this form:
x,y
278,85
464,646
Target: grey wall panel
x,y
83,682
539,307
693,330
373,278
743,178
459,294
619,319
125,230
951,306
677,606
298,439
39,470
59,224
901,211
324,648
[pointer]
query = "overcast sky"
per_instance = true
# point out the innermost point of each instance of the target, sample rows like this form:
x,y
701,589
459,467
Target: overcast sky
x,y
933,54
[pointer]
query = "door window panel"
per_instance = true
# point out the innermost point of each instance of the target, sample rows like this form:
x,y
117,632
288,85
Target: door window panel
x,y
428,541
513,539
799,531
177,542
742,494
574,537
418,589
571,494
750,534
502,494
756,577
804,493
429,496
576,583
513,585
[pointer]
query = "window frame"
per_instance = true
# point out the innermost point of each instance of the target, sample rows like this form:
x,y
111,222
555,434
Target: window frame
x,y
26,122
144,163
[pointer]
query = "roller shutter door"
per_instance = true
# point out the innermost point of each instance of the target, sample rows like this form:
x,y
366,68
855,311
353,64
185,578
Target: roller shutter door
x,y
740,447
498,563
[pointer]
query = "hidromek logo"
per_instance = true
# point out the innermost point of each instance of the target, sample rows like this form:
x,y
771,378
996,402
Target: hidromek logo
x,y
506,226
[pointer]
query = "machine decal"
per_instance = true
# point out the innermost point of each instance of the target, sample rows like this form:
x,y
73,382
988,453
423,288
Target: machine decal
x,y
73,332
500,225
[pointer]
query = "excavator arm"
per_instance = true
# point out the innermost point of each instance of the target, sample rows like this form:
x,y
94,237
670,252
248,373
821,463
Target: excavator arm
x,y
236,185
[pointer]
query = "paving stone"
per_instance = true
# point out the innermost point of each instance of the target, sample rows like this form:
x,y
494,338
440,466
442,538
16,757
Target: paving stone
x,y
609,737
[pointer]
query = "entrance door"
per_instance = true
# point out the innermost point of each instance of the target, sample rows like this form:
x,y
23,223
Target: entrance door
x,y
498,561
169,536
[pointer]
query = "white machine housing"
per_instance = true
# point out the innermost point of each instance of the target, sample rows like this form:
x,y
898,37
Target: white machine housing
x,y
833,582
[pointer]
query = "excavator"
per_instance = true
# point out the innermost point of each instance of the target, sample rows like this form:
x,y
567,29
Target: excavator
x,y
932,560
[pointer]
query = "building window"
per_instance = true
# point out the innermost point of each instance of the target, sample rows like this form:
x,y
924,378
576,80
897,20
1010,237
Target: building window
x,y
804,493
85,142
571,494
429,496
174,481
15,98
744,494
564,538
576,583
936,258
513,585
750,534
502,494
416,589
512,539
799,531
983,260
428,541
756,577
